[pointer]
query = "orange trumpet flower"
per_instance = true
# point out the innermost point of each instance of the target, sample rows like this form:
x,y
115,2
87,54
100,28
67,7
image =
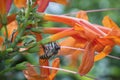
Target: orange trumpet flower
x,y
97,40
31,74
4,9
74,22
20,3
5,6
87,59
64,2
42,8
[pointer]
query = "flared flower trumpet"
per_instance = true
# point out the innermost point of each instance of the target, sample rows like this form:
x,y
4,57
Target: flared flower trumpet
x,y
42,8
4,9
5,6
31,74
97,40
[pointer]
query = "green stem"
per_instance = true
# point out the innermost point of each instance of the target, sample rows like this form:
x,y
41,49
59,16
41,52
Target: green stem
x,y
22,29
42,42
20,66
6,31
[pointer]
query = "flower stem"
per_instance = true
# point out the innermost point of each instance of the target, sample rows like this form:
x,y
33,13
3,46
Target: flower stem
x,y
110,56
65,70
6,31
24,25
96,10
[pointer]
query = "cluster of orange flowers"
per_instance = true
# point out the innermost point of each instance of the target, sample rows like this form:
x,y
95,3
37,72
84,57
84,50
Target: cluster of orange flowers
x,y
96,41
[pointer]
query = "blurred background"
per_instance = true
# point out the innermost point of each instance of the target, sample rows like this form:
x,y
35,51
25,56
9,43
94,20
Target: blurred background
x,y
105,69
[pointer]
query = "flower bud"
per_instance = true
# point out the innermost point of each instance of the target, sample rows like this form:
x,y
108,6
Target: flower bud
x,y
21,66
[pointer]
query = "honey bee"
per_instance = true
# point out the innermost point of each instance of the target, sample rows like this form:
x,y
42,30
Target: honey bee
x,y
50,49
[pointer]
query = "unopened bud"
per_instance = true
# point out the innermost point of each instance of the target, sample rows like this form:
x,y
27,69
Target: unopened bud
x,y
21,66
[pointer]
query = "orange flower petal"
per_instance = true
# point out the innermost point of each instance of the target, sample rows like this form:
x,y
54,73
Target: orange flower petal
x,y
3,7
20,3
11,18
74,58
59,35
56,18
44,72
62,34
86,32
115,39
11,27
104,53
9,3
64,2
100,43
82,15
42,5
78,27
108,22
55,63
70,42
1,41
87,60
30,72
104,29
73,21
53,30
38,36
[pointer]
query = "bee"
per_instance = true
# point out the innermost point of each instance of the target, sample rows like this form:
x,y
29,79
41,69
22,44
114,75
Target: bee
x,y
50,49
